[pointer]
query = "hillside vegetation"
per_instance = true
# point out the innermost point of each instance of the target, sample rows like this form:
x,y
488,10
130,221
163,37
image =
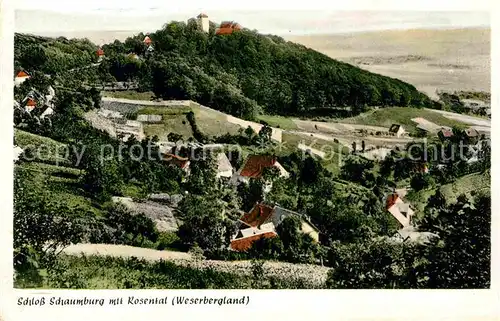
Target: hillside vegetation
x,y
243,73
50,55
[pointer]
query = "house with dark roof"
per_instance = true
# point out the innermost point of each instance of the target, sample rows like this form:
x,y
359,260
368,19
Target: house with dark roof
x,y
262,221
397,130
254,167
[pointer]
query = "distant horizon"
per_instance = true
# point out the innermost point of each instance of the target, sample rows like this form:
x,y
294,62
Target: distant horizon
x,y
265,22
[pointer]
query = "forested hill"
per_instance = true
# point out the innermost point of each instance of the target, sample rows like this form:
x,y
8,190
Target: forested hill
x,y
51,56
245,73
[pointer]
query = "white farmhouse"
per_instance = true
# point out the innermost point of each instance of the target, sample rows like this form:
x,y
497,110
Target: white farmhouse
x,y
224,167
21,77
399,209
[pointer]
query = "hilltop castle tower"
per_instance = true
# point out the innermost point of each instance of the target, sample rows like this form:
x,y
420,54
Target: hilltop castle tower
x,y
203,22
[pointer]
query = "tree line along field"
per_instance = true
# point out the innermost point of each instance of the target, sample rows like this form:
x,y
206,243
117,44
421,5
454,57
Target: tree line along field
x,y
401,115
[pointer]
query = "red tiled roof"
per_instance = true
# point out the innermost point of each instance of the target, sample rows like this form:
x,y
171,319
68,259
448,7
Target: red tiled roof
x,y
182,162
227,27
391,200
100,52
147,40
31,102
255,164
224,31
22,74
259,214
243,244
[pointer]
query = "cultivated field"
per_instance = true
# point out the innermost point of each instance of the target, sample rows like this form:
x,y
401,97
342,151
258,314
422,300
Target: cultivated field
x,y
456,59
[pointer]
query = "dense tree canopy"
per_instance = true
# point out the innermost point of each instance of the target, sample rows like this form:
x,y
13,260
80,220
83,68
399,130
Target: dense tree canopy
x,y
242,73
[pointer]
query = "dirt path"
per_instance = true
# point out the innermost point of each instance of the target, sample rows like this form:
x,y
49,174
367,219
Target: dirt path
x,y
471,120
125,251
311,273
332,127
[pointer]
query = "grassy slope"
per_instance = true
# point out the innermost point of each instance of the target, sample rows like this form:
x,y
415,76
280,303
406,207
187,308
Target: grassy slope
x,y
278,121
213,123
334,152
476,182
173,120
93,272
385,117
49,149
61,182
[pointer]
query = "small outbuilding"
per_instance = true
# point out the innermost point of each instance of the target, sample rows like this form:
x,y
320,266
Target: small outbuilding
x,y
397,130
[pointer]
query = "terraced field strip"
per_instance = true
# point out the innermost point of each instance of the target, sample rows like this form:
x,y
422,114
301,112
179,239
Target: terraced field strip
x,y
425,124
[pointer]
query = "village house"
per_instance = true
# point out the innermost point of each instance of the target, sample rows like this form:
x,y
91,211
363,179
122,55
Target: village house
x,y
224,168
445,133
254,167
147,40
401,211
17,152
29,104
261,222
181,162
472,133
21,77
203,22
37,104
245,238
397,130
100,54
227,27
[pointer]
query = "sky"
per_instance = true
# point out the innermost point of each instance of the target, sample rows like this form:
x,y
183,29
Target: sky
x,y
149,15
